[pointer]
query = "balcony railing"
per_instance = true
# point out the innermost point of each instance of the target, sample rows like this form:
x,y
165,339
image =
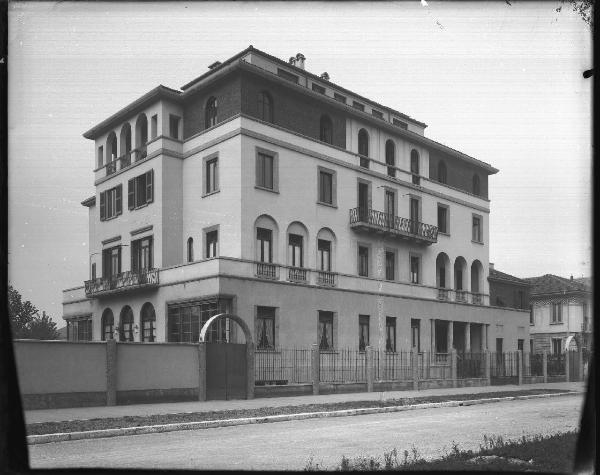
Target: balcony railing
x,y
326,278
372,220
461,295
122,282
265,270
477,299
443,294
297,274
125,160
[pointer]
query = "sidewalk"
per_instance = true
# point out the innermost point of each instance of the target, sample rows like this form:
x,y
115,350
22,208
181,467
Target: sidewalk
x,y
83,413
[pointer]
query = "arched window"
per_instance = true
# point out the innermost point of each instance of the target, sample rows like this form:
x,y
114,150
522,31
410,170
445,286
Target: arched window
x,y
476,185
126,324
141,136
108,323
111,153
190,249
125,145
210,112
414,166
326,131
442,173
363,143
148,319
265,106
390,157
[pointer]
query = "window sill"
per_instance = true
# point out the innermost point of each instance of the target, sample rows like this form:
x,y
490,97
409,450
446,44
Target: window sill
x,y
477,242
557,323
443,234
111,218
204,195
323,203
271,190
140,206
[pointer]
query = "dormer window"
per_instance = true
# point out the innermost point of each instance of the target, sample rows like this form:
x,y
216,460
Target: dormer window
x,y
210,113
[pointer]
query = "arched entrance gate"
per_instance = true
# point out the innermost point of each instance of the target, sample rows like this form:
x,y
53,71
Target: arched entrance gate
x,y
226,369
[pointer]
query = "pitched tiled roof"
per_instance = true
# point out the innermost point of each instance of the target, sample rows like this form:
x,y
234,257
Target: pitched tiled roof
x,y
587,281
497,275
552,284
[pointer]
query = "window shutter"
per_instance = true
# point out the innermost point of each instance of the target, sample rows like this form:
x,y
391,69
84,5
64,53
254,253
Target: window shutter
x,y
149,186
119,199
102,206
131,193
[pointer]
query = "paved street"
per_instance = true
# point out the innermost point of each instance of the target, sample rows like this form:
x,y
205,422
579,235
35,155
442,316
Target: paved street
x,y
289,445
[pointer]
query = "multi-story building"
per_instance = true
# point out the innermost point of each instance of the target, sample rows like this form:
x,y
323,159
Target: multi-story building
x,y
560,314
313,213
507,290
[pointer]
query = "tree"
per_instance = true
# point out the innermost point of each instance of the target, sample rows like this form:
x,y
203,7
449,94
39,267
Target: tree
x,y
26,321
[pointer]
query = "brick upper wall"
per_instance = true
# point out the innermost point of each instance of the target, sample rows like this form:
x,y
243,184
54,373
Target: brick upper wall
x,y
459,174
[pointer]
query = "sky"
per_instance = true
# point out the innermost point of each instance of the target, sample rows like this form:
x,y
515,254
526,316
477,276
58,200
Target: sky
x,y
501,83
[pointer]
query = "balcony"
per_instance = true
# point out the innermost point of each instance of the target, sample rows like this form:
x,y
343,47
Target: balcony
x,y
297,274
370,220
266,270
326,279
477,299
122,282
443,294
461,295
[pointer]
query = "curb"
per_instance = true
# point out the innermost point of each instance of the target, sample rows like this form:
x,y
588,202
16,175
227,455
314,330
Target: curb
x,y
117,432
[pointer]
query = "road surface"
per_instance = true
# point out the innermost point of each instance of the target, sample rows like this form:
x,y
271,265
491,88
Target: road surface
x,y
289,445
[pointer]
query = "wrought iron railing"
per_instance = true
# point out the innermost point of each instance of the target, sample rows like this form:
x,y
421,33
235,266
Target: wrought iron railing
x,y
266,270
297,274
342,366
393,223
326,278
282,366
123,280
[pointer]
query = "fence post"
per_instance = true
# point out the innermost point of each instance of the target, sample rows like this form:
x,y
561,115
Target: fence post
x,y
111,373
487,364
567,368
581,375
527,364
315,363
250,370
201,371
414,363
369,363
545,366
520,367
453,368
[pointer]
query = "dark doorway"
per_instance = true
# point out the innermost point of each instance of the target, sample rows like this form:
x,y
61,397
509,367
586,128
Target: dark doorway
x,y
226,371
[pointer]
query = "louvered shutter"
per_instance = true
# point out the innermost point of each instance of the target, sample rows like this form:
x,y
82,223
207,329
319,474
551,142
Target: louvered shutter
x,y
102,206
119,199
149,186
131,193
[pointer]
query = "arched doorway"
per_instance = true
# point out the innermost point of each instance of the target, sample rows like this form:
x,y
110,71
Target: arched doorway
x,y
229,366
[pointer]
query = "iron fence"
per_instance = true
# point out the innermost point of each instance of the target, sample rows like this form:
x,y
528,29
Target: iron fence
x,y
556,365
470,365
535,366
504,365
282,366
392,366
342,366
434,366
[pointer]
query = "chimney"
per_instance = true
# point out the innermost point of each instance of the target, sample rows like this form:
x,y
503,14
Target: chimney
x,y
492,265
292,61
571,276
325,76
214,65
300,60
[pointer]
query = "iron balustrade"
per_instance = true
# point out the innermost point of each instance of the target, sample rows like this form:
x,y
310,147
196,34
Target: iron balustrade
x,y
470,365
326,278
282,366
266,270
122,281
397,225
297,274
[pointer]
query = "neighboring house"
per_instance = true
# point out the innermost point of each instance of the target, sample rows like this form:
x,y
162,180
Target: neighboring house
x,y
315,214
507,290
560,313
62,333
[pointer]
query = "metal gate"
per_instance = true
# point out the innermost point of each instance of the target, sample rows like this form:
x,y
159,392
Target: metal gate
x,y
504,368
225,371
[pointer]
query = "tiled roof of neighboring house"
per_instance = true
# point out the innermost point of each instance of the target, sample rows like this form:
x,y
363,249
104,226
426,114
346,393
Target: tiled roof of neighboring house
x,y
497,275
62,333
587,281
552,284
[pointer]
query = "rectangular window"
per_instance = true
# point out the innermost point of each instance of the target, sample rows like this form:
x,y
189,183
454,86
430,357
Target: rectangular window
x,y
556,346
185,321
264,240
295,250
363,332
211,175
154,126
317,88
265,327
476,229
442,219
111,202
111,262
390,334
212,243
399,123
520,344
557,312
264,171
100,156
324,251
390,264
363,261
174,126
339,97
287,75
141,254
377,113
140,190
531,346
531,318
325,330
325,187
358,105
79,330
415,334
415,264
